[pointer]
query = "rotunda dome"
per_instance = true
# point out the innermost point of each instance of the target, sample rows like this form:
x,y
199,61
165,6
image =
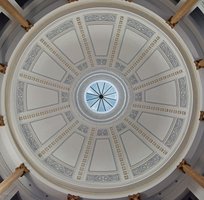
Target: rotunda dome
x,y
100,99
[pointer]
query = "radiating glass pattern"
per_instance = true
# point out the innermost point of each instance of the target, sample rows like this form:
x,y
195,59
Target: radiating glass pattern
x,y
101,96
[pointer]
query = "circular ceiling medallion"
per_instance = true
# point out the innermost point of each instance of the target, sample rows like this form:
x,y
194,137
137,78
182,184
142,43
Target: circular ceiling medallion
x,y
99,99
101,96
113,90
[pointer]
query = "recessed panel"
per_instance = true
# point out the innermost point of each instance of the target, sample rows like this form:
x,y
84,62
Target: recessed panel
x,y
70,46
154,65
47,67
69,151
100,36
47,127
135,149
158,125
163,94
131,45
102,158
39,97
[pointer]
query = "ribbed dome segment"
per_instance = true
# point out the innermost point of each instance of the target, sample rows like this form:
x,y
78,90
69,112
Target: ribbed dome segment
x,y
101,97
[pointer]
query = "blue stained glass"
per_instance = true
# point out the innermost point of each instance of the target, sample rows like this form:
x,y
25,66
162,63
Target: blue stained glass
x,y
101,96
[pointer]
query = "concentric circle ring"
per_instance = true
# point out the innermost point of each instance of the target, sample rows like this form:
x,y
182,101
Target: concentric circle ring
x,y
101,97
99,112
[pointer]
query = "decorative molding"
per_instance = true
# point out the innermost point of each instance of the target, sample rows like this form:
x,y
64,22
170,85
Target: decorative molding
x,y
54,142
64,97
55,52
169,54
138,97
132,79
60,29
175,133
161,78
162,109
140,27
41,81
120,154
31,140
87,153
85,43
39,113
101,61
102,132
69,79
133,114
56,166
147,165
147,137
142,54
121,127
100,17
183,92
82,66
103,178
33,54
20,96
119,66
83,128
116,40
69,115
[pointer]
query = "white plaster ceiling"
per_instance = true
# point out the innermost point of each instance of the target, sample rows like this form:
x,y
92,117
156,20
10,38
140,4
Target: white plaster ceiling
x,y
68,144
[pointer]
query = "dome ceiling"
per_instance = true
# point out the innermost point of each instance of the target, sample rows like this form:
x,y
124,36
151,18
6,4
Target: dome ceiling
x,y
98,96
